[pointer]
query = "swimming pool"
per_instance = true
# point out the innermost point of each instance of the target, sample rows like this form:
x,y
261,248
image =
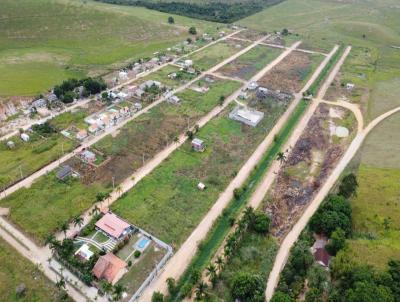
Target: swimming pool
x,y
142,243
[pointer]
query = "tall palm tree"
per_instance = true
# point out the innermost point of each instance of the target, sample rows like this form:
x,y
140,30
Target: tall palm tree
x,y
201,291
96,210
64,228
219,263
119,190
281,157
212,273
78,221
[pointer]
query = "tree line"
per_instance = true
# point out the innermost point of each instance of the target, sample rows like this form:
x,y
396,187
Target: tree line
x,y
211,11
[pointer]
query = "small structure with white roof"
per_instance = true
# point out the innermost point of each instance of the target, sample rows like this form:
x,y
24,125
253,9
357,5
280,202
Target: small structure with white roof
x,y
201,186
198,145
84,252
25,137
246,115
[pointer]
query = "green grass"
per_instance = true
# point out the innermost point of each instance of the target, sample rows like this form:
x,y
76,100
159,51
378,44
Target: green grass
x,y
45,41
15,270
249,63
40,209
210,56
30,156
161,75
255,255
68,119
170,195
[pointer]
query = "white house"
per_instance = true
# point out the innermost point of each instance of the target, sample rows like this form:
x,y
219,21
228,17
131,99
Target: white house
x,y
25,137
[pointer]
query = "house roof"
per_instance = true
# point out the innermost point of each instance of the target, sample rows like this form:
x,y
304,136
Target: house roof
x,y
108,267
197,141
322,256
112,225
64,172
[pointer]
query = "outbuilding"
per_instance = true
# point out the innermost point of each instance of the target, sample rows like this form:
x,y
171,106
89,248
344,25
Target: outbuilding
x,y
198,145
25,137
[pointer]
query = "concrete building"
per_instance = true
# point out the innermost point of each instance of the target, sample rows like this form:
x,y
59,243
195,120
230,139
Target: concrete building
x,y
246,115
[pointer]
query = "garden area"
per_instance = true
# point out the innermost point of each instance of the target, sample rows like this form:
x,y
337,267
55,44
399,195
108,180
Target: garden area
x,y
248,64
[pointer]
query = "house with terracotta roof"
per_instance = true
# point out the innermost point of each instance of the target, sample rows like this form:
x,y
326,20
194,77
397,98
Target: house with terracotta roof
x,y
113,226
110,268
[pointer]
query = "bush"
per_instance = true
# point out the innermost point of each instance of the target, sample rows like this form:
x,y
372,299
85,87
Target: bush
x,y
171,20
137,254
261,223
237,193
157,297
192,30
248,288
281,297
348,186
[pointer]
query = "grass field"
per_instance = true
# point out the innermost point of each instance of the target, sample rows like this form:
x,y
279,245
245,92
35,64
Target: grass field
x,y
161,75
210,56
168,203
15,270
27,157
45,41
249,63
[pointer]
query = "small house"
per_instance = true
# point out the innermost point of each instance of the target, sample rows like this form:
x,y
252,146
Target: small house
x,y
198,145
138,106
174,100
252,86
65,172
123,75
246,115
113,226
81,135
188,63
39,103
201,186
84,253
110,268
25,137
319,252
94,128
52,98
88,156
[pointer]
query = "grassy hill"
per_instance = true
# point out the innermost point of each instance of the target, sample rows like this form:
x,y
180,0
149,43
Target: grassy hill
x,y
226,11
45,41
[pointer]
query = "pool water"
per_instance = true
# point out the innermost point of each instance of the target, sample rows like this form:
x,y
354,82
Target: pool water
x,y
143,242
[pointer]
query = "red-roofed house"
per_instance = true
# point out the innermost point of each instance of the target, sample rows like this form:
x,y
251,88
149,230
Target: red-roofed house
x,y
322,257
109,267
114,226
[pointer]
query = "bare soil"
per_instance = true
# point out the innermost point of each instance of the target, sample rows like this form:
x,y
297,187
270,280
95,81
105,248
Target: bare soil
x,y
287,76
249,34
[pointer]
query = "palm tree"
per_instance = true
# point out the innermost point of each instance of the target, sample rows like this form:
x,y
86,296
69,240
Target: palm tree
x,y
220,263
106,286
50,238
96,210
201,291
61,283
78,221
64,228
119,190
212,273
281,157
176,139
118,291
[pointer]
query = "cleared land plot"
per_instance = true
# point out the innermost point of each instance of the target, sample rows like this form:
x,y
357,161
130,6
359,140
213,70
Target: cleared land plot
x,y
255,255
16,270
162,74
44,42
249,63
292,73
282,40
210,56
168,203
42,208
27,157
307,166
249,34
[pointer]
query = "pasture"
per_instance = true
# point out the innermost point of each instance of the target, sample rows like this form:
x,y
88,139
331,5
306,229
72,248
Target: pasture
x,y
44,42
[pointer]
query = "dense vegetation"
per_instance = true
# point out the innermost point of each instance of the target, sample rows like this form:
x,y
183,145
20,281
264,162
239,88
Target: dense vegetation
x,y
218,11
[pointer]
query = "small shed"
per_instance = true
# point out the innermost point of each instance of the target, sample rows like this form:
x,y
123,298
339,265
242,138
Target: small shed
x,y
84,252
201,186
10,144
64,172
25,137
174,100
81,135
198,145
188,63
88,156
350,86
252,86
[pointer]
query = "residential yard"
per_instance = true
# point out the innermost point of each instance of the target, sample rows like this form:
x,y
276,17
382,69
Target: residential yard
x,y
248,64
42,208
168,203
28,157
16,270
255,255
161,76
291,74
210,56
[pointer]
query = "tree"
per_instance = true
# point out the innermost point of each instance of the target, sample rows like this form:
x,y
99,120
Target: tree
x,y
394,272
247,287
171,20
261,223
301,258
60,284
189,134
285,32
369,292
348,186
192,30
281,157
317,277
96,210
313,295
219,262
171,284
118,291
281,297
64,228
78,221
201,291
68,97
337,242
211,272
119,190
106,286
176,140
157,297
221,100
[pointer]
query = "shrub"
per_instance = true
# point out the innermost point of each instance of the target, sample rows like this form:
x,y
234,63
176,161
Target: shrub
x,y
192,30
171,20
348,186
261,223
137,254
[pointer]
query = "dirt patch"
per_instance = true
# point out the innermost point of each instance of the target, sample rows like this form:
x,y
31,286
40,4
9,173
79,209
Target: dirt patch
x,y
248,34
276,39
308,165
289,74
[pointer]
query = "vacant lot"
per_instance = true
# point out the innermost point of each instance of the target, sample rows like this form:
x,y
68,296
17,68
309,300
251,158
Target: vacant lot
x,y
248,34
16,270
168,203
42,208
43,42
249,63
28,157
292,73
210,56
